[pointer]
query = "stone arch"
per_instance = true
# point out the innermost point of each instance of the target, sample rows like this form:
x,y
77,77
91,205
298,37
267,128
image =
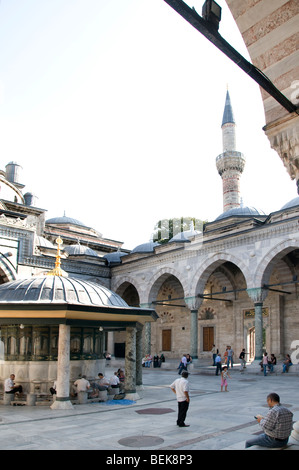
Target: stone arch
x,y
7,271
159,278
117,282
208,267
265,267
127,289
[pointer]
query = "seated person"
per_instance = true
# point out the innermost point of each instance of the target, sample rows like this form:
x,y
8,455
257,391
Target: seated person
x,y
81,385
121,376
53,389
10,387
146,361
287,363
113,382
101,385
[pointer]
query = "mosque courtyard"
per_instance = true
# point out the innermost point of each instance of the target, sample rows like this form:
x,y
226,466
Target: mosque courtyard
x,y
218,421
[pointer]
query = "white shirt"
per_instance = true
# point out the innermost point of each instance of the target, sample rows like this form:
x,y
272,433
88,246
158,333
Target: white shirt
x,y
180,386
82,385
8,385
114,380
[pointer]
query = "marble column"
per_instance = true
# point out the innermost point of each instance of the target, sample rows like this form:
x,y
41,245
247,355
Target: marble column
x,y
130,364
258,324
194,334
258,295
193,303
147,338
63,401
139,356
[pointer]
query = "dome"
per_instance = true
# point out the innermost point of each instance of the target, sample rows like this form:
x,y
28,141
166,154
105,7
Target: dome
x,y
115,257
294,202
184,236
65,221
58,289
145,247
240,212
80,250
43,242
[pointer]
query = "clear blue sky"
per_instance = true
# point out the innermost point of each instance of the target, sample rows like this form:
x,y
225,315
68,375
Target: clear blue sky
x,y
114,108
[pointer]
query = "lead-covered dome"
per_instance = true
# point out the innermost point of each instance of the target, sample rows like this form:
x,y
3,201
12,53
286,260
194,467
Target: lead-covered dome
x,y
241,212
58,289
294,202
114,257
43,242
185,235
64,220
145,247
80,250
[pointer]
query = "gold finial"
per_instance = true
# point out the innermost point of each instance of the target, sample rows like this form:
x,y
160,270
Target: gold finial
x,y
57,271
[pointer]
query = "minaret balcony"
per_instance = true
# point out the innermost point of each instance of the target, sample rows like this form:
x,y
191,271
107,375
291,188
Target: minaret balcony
x,y
231,160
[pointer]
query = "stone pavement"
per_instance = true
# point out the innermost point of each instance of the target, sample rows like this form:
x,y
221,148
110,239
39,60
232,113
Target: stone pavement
x,y
218,421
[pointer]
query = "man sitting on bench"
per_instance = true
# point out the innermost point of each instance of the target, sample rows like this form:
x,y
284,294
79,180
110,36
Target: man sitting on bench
x,y
10,387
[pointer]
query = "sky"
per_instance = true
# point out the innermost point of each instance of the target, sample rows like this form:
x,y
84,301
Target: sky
x,y
113,109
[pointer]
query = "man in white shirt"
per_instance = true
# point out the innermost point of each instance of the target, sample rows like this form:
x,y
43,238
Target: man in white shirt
x,y
82,384
10,387
114,381
181,388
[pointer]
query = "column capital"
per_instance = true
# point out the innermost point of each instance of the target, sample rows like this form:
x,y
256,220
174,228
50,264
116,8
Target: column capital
x,y
193,303
257,294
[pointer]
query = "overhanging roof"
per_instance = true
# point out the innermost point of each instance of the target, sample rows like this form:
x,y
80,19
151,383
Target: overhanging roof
x,y
64,313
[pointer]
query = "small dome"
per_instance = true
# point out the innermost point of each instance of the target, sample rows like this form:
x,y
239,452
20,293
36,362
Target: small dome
x,y
145,247
58,289
43,242
80,250
240,212
294,202
65,221
115,257
184,236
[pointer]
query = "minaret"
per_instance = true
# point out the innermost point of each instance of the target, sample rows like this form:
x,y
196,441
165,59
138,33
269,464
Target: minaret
x,y
230,164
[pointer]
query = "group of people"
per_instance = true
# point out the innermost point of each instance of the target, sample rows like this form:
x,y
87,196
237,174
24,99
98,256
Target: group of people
x,y
186,360
268,363
156,360
117,380
228,358
277,425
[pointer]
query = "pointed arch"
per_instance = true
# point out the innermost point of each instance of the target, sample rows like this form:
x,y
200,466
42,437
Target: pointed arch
x,y
159,277
7,270
208,267
265,267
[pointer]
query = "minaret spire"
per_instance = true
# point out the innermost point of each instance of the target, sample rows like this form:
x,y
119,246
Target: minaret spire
x,y
230,164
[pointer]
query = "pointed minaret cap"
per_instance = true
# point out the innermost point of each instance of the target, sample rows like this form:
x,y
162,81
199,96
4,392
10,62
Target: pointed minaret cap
x,y
228,115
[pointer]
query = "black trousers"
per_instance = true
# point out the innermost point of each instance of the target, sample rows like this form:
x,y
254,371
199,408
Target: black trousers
x,y
182,412
16,389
